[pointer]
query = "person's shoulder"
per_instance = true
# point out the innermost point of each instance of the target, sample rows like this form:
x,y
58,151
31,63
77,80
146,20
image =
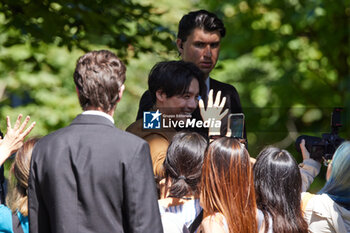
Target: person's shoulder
x,y
5,219
217,85
129,136
134,127
322,212
4,210
216,218
51,137
137,129
173,223
69,134
59,132
324,198
125,137
213,223
320,204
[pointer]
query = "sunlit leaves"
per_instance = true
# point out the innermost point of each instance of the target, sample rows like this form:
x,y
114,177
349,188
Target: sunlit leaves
x,y
79,24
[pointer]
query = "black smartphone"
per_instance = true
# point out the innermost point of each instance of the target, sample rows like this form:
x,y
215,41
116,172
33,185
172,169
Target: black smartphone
x,y
236,124
336,118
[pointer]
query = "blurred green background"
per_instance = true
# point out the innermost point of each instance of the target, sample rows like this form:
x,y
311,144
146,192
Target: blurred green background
x,y
288,59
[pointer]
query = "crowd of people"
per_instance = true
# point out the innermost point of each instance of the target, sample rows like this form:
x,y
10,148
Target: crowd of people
x,y
93,177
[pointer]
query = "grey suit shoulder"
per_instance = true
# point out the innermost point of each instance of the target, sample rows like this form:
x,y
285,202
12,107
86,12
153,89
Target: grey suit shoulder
x,y
92,177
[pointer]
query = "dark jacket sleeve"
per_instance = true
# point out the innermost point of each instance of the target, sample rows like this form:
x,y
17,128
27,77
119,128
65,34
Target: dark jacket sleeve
x,y
141,204
235,101
145,104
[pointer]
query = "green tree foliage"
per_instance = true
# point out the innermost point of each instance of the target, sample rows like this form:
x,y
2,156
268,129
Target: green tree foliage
x,y
41,40
290,61
116,24
291,55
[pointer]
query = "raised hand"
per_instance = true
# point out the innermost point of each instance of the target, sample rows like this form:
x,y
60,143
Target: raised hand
x,y
304,151
213,110
13,140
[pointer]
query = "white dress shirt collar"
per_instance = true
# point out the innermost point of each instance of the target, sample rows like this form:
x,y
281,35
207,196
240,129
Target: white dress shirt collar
x,y
98,113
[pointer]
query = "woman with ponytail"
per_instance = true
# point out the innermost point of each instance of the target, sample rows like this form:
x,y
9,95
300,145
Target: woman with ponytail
x,y
179,203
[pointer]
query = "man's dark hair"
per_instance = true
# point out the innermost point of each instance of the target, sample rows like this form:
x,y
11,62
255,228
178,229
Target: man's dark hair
x,y
174,78
200,19
183,163
98,77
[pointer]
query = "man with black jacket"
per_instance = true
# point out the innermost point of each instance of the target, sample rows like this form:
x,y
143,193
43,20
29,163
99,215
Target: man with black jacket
x,y
198,41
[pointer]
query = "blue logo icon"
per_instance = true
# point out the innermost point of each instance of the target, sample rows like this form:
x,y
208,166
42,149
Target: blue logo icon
x,y
151,120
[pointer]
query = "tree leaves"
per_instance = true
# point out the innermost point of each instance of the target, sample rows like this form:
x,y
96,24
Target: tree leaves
x,y
78,24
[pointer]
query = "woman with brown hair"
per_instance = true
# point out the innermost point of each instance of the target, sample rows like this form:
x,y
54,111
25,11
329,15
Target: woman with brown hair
x,y
19,175
227,189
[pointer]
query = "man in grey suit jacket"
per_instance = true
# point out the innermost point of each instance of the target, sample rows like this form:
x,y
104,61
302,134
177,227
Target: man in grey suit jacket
x,y
91,176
